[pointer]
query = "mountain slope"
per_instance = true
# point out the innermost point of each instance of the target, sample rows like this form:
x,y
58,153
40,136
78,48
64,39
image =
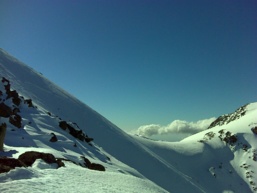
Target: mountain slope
x,y
205,162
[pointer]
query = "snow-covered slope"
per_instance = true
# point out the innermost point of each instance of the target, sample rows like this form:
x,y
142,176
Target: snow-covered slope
x,y
220,159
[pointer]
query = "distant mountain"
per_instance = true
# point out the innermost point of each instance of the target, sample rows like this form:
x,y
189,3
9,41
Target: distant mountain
x,y
48,128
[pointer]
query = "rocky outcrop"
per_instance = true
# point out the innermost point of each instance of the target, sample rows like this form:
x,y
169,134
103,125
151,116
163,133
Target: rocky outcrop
x,y
29,102
93,166
27,159
225,119
5,111
79,134
15,120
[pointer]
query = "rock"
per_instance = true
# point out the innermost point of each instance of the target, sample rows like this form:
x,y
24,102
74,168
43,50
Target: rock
x,y
29,102
15,120
254,130
59,163
225,119
74,132
16,101
5,80
63,125
6,164
97,167
93,166
16,110
88,139
5,111
87,162
2,135
12,94
28,158
53,138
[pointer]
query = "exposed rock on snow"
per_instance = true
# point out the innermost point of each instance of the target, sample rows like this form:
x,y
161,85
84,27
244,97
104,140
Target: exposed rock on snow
x,y
225,119
6,164
27,159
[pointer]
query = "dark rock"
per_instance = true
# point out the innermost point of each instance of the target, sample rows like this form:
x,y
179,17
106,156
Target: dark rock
x,y
5,111
93,166
16,101
230,139
225,119
59,163
12,94
7,87
74,132
28,158
63,125
2,135
15,120
53,138
16,110
6,164
29,102
97,167
5,80
87,162
88,139
254,130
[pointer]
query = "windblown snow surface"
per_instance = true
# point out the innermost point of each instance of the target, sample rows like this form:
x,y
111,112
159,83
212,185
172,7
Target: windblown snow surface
x,y
220,159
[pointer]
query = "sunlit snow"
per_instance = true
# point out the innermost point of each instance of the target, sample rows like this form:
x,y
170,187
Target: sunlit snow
x,y
208,161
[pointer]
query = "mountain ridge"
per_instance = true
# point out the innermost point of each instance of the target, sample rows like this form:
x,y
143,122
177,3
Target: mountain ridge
x,y
191,165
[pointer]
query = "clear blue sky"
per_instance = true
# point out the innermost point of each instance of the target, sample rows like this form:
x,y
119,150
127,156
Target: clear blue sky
x,y
140,61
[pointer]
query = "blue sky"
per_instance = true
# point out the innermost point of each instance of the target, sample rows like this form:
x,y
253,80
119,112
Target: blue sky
x,y
140,62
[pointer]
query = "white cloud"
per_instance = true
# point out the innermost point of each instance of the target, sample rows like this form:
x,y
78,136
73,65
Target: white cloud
x,y
177,126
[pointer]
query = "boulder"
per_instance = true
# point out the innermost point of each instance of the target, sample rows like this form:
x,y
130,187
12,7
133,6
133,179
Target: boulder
x,y
29,157
53,138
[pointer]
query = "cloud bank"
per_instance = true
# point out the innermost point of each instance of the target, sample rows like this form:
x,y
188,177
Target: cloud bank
x,y
177,126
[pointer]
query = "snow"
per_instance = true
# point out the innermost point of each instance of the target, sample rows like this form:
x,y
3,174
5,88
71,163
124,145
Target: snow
x,y
202,162
42,178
